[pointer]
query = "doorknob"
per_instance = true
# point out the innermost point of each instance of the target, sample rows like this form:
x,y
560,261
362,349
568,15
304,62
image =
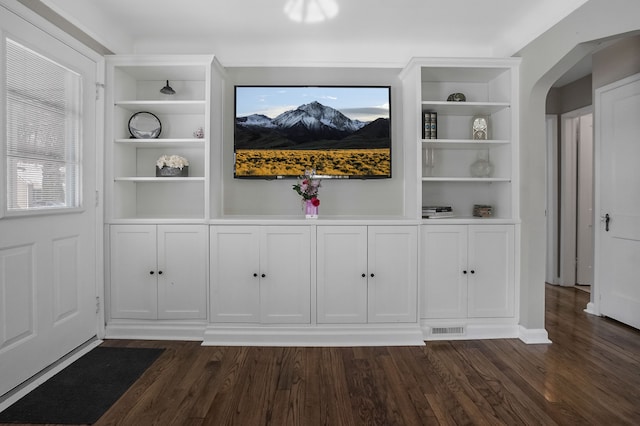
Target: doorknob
x,y
606,219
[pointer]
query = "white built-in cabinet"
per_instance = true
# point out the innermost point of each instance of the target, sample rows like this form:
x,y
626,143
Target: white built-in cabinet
x,y
174,257
158,271
468,264
467,271
366,274
133,83
260,274
157,263
444,164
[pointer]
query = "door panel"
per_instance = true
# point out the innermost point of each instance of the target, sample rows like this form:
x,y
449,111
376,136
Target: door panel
x,y
619,179
444,258
235,280
133,272
48,261
17,285
342,262
285,262
490,271
182,258
393,273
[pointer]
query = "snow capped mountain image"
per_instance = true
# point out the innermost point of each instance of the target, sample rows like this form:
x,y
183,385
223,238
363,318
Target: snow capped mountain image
x,y
309,126
315,115
255,120
339,131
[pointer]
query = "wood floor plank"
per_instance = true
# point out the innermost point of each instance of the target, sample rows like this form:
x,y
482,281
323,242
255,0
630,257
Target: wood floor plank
x,y
335,396
405,391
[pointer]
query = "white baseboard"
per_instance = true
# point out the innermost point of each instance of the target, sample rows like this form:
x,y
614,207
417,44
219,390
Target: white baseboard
x,y
534,336
462,331
591,309
220,335
155,330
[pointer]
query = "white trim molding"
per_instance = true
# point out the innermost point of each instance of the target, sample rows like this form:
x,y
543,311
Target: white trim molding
x,y
534,336
313,336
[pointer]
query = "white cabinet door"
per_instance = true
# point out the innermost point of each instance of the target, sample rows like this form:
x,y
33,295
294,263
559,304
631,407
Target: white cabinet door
x,y
182,271
260,274
491,272
133,272
342,274
393,273
285,274
235,273
468,271
444,260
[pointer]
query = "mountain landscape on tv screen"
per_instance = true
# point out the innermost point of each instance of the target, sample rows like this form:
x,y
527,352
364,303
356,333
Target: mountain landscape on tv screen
x,y
310,126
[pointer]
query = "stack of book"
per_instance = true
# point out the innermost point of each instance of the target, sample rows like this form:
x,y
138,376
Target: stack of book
x,y
432,212
430,122
482,210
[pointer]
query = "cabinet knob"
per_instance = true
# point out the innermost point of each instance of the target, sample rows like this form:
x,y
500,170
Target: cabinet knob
x,y
255,274
373,275
364,275
151,272
473,272
263,275
464,272
159,272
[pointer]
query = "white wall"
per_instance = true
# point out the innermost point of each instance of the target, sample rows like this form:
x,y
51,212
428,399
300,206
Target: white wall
x,y
543,61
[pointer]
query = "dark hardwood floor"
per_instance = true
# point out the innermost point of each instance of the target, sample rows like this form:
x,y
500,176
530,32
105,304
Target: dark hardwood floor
x,y
590,375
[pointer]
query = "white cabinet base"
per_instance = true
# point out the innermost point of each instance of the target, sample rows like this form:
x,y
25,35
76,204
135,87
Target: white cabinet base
x,y
468,330
155,330
311,336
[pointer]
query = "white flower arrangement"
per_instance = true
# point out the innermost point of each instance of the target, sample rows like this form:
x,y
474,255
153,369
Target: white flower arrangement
x,y
172,161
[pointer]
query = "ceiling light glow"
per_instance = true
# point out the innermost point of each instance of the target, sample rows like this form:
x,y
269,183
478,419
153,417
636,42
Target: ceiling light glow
x,y
311,11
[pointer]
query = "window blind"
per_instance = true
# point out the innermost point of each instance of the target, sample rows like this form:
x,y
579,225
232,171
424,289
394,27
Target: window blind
x,y
43,107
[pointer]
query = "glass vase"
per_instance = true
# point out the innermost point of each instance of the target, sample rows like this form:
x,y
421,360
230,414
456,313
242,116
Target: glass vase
x,y
310,211
482,167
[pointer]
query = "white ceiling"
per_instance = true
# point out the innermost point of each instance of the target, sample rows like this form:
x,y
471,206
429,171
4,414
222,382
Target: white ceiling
x,y
259,32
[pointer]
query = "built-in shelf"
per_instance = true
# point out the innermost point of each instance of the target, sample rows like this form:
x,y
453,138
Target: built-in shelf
x,y
162,143
133,192
158,179
463,179
165,107
465,108
463,220
462,143
445,166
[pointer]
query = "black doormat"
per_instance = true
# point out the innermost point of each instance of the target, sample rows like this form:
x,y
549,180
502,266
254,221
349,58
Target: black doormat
x,y
83,391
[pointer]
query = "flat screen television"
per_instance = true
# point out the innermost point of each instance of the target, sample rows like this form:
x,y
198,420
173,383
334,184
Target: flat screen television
x,y
336,131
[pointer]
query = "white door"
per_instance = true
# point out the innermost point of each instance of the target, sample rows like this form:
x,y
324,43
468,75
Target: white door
x,y
618,200
444,262
584,211
235,273
491,288
182,271
47,261
285,274
393,273
134,272
342,274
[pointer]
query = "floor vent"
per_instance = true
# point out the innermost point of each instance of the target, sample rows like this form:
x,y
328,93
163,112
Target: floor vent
x,y
447,331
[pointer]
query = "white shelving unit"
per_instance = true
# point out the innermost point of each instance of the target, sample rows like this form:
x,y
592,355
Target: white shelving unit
x,y
133,193
468,284
444,164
